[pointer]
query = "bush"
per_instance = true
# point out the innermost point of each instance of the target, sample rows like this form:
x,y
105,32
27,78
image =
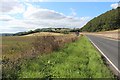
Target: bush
x,y
45,44
10,69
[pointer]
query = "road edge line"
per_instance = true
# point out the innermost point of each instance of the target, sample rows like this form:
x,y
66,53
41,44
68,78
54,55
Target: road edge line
x,y
105,56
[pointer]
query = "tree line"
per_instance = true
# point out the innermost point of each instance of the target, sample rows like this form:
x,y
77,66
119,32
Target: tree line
x,y
55,30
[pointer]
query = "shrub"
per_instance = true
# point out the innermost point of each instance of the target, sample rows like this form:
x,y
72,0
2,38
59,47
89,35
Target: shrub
x,y
45,44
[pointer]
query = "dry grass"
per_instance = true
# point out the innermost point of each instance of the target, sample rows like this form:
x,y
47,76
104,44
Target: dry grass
x,y
45,34
15,47
114,34
47,44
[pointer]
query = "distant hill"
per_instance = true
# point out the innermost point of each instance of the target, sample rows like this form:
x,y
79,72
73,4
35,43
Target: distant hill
x,y
6,34
105,22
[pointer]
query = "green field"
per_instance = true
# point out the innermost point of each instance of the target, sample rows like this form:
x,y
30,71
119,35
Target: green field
x,y
75,60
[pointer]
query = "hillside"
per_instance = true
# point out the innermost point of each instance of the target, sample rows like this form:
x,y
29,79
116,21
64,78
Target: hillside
x,y
105,22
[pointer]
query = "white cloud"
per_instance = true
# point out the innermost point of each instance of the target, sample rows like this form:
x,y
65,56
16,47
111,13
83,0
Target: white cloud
x,y
15,26
11,7
34,0
40,13
51,18
73,13
114,6
35,17
5,18
71,0
9,1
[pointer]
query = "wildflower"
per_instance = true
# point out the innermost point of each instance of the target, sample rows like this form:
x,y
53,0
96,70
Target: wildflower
x,y
48,61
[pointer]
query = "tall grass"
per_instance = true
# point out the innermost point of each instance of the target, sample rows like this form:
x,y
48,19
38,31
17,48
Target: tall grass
x,y
76,60
16,50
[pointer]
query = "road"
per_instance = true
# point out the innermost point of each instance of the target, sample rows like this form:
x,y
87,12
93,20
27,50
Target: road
x,y
108,47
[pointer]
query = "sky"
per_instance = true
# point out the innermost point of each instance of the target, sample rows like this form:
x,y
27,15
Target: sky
x,y
21,15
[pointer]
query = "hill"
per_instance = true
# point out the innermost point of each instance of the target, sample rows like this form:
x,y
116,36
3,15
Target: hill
x,y
105,22
6,34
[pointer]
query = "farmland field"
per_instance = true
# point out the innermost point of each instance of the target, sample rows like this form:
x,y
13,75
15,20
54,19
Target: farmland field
x,y
27,57
44,34
18,46
15,46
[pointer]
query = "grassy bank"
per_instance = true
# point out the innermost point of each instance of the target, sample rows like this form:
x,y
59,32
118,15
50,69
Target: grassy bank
x,y
76,60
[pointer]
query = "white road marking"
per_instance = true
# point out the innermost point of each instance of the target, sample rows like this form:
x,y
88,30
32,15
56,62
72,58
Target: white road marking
x,y
105,56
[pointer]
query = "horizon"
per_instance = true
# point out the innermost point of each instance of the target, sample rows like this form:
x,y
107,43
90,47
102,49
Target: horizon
x,y
24,16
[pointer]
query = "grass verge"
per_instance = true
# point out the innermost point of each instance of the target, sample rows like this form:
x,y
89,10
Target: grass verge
x,y
76,60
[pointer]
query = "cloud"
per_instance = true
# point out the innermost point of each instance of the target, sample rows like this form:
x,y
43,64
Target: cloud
x,y
5,18
73,13
47,14
41,13
34,0
70,0
12,29
37,17
114,6
11,7
50,18
9,0
14,26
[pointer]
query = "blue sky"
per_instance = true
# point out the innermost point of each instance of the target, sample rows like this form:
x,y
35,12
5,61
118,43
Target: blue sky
x,y
20,16
81,8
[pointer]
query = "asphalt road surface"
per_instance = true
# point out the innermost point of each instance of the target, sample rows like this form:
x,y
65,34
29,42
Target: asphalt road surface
x,y
108,47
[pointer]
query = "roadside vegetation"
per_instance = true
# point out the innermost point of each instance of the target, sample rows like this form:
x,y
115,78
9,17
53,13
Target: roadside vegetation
x,y
74,60
17,49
